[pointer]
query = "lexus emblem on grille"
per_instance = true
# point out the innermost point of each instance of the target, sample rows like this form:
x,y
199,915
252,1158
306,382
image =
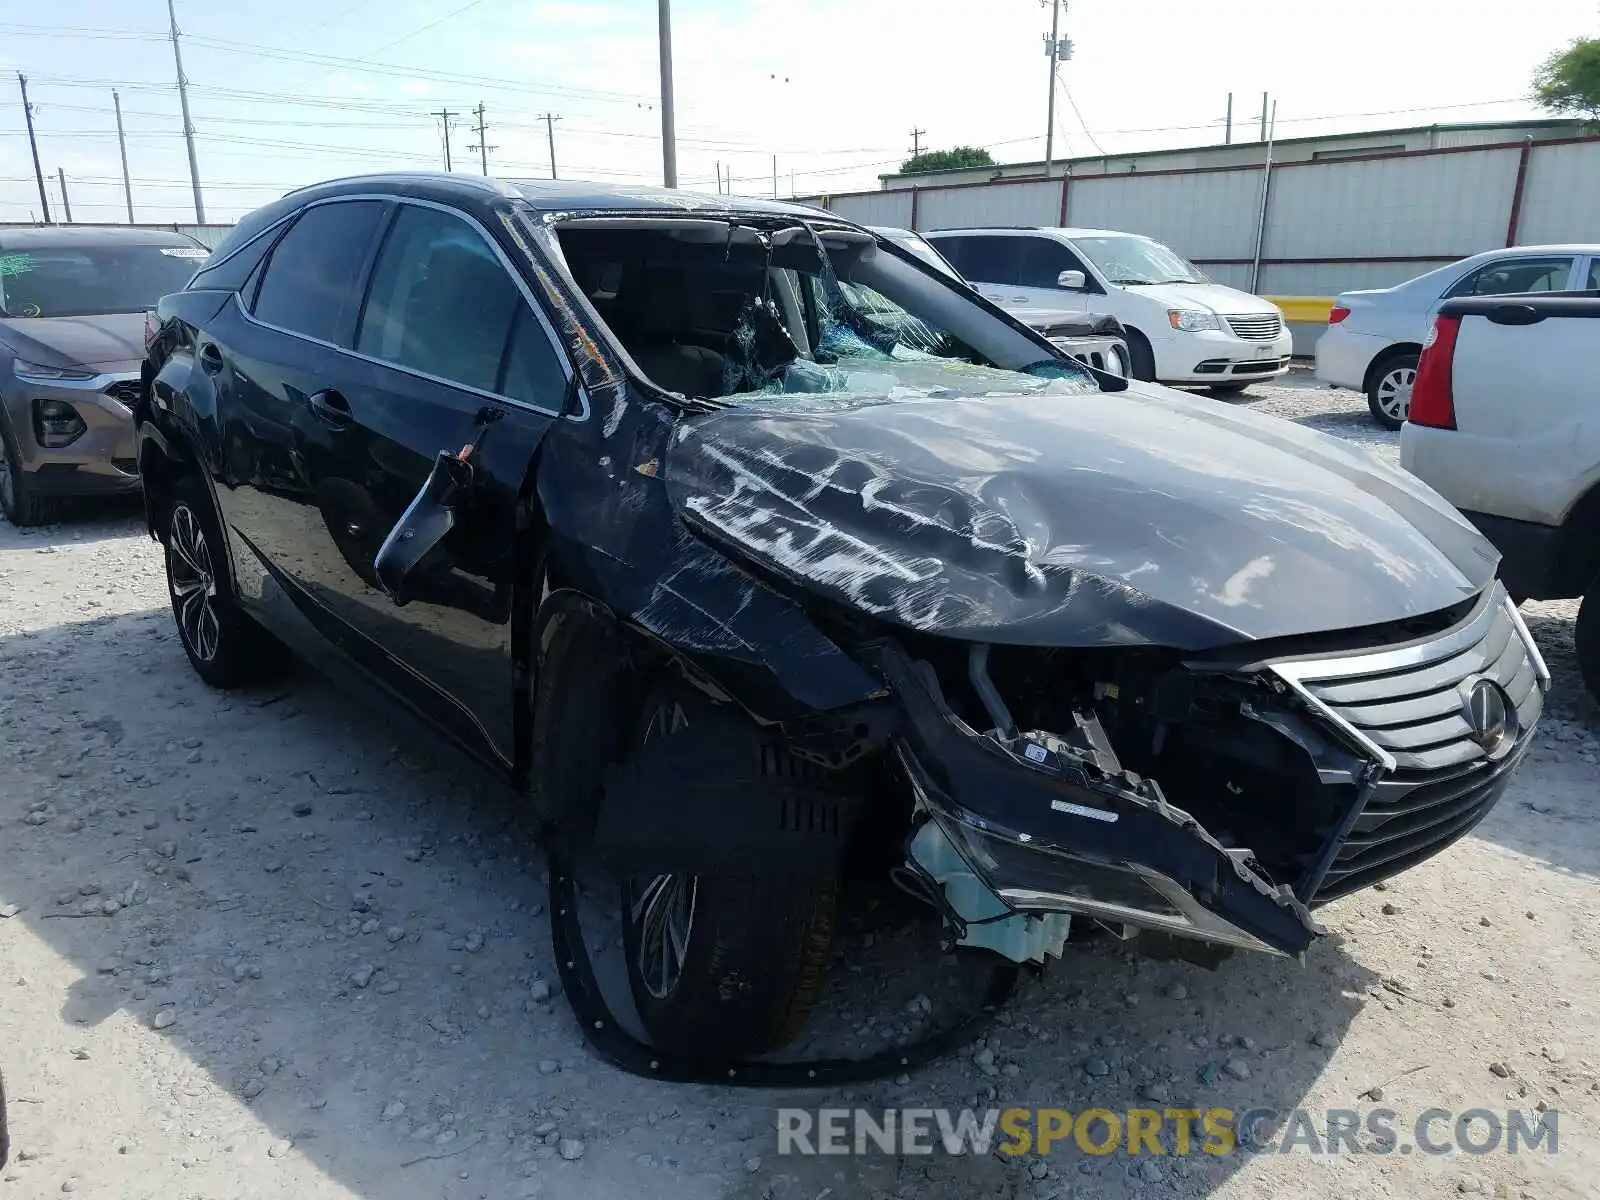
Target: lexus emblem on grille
x,y
1490,716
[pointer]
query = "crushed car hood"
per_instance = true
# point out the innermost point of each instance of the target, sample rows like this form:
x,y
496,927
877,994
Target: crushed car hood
x,y
1138,517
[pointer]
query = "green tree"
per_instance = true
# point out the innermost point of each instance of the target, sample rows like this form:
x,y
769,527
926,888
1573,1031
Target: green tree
x,y
947,160
1569,80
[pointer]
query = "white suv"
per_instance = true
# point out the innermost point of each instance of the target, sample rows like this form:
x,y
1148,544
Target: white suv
x,y
1182,328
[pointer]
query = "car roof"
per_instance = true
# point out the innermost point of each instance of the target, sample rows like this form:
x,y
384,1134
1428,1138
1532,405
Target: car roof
x,y
548,195
1062,230
55,237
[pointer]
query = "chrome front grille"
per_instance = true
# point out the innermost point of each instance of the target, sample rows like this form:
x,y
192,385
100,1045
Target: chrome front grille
x,y
1406,705
1256,327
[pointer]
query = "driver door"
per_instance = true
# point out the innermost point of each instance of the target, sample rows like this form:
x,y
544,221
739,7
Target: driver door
x,y
448,351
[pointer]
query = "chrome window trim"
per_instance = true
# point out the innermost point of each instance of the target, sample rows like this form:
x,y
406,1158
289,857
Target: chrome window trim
x,y
527,294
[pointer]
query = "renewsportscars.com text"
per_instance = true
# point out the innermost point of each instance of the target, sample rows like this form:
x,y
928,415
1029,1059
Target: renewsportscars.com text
x,y
1166,1131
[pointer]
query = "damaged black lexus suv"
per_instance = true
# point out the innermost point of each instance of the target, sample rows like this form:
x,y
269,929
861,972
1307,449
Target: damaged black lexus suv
x,y
734,534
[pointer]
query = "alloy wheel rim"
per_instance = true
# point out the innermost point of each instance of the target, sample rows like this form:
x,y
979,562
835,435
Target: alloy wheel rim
x,y
662,907
1394,392
194,584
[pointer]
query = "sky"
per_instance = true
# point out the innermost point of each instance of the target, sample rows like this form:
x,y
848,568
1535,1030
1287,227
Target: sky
x,y
295,91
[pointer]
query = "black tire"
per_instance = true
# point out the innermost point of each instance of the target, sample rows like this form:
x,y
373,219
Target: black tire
x,y
1586,636
1141,359
757,946
23,506
225,646
1228,389
1389,385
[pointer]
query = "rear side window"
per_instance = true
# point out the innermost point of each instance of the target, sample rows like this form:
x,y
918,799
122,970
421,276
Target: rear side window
x,y
312,284
231,274
443,303
1043,260
1514,276
1594,276
991,259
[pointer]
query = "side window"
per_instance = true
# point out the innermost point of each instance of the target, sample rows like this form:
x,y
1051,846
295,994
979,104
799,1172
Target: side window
x,y
992,259
312,283
1593,284
533,372
1043,259
1512,276
442,303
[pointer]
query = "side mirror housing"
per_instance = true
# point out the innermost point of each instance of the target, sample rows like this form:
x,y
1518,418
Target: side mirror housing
x,y
1073,281
415,545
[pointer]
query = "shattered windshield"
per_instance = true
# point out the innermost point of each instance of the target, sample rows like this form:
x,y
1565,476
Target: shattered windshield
x,y
734,311
1133,261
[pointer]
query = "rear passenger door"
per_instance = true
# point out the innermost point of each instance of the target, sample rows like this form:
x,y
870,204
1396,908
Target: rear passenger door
x,y
447,345
991,263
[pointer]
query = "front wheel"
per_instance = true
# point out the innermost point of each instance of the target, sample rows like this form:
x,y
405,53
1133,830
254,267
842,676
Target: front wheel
x,y
1389,392
721,966
22,505
1141,358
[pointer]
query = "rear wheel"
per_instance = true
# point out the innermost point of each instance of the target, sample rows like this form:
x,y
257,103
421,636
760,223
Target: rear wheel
x,y
1389,388
22,505
724,966
1587,638
225,646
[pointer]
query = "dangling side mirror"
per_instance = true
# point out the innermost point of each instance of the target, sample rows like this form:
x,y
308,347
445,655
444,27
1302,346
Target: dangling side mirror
x,y
415,544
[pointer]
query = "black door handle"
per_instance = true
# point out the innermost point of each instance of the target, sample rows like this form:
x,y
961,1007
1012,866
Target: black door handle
x,y
331,407
210,358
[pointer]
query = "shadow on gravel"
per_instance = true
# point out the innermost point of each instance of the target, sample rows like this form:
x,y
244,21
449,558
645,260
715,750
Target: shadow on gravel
x,y
1550,813
336,918
82,521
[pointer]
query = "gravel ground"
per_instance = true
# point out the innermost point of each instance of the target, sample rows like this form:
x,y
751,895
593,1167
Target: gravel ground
x,y
282,943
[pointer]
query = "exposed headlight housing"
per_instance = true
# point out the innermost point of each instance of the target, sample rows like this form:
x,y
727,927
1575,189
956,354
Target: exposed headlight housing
x,y
1192,320
31,370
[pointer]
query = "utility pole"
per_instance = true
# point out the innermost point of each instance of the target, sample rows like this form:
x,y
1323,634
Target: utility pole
x,y
669,140
66,204
483,146
719,177
122,147
1263,116
916,141
1227,138
444,115
188,125
550,120
774,176
33,145
1052,49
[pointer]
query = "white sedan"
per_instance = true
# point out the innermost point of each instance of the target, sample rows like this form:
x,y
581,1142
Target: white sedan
x,y
1374,336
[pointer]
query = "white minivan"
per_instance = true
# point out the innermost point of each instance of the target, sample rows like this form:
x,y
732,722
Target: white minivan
x,y
1182,328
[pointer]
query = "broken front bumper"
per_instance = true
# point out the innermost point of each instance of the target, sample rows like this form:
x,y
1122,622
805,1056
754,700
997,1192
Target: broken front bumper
x,y
1056,827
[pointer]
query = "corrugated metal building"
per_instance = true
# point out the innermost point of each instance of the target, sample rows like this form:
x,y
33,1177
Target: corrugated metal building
x,y
1330,214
